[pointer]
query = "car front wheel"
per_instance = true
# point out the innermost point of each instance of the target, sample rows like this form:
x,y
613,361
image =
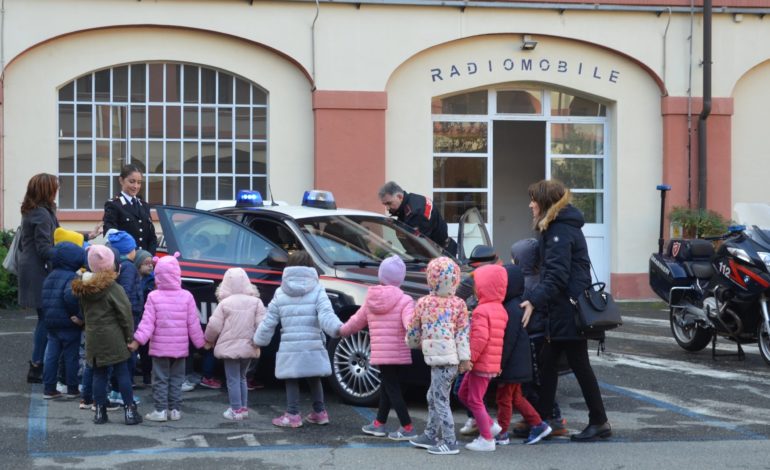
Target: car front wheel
x,y
353,377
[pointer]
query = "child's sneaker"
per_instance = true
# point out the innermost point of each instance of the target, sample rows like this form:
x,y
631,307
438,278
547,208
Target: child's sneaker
x,y
424,442
252,384
288,421
232,415
188,386
558,428
116,397
375,429
502,439
52,395
211,382
321,417
402,434
84,405
538,432
495,429
469,427
113,405
481,445
157,416
60,387
442,448
174,415
244,412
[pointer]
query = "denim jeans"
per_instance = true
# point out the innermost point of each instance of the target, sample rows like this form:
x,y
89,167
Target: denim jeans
x,y
62,344
120,371
40,339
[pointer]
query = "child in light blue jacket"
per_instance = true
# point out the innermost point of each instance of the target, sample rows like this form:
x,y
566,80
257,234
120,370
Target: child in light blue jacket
x,y
305,313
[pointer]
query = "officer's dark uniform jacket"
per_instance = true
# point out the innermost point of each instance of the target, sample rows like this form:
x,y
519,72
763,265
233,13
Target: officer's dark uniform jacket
x,y
120,214
418,212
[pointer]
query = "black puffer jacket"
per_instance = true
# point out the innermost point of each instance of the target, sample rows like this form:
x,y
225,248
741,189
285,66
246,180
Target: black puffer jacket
x,y
516,365
565,270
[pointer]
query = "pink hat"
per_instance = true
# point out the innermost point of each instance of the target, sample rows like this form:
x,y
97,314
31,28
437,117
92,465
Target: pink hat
x,y
101,258
392,271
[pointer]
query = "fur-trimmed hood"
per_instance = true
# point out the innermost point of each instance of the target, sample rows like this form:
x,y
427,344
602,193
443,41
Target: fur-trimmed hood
x,y
564,211
93,283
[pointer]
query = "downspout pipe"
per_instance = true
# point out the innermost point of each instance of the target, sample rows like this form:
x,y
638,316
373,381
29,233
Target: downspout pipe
x,y
704,114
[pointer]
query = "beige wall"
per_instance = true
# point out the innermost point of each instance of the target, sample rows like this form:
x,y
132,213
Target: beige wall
x,y
32,81
751,152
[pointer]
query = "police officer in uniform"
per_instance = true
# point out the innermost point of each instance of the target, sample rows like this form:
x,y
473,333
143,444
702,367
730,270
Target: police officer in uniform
x,y
418,212
129,213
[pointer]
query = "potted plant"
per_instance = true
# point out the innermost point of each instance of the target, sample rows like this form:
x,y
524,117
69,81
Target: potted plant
x,y
697,223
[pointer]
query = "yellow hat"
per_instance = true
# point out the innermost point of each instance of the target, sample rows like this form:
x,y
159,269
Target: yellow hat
x,y
64,235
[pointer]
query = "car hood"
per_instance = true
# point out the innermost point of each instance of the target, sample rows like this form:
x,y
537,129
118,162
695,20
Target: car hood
x,y
415,283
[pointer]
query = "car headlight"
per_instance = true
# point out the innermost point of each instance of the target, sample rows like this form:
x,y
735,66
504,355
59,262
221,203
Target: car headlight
x,y
765,256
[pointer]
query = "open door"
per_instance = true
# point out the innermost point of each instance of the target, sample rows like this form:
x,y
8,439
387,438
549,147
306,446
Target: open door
x,y
471,233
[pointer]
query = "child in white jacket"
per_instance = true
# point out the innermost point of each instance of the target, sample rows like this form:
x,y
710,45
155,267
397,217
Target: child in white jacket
x,y
231,328
304,311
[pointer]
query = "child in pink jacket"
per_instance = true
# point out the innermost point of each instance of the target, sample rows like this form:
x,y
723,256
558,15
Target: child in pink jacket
x,y
231,327
486,342
387,311
170,321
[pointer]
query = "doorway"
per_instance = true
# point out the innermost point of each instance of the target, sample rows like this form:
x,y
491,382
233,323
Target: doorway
x,y
519,150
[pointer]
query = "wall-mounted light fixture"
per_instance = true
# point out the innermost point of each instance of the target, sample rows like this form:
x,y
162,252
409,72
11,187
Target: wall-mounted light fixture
x,y
527,43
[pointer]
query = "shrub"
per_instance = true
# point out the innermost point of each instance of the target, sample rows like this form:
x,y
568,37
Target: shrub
x,y
699,223
9,285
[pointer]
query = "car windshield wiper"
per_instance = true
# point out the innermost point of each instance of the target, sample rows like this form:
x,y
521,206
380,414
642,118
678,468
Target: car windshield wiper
x,y
359,263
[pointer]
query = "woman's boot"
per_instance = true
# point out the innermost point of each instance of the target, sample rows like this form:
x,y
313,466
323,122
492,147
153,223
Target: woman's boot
x,y
100,417
35,374
132,415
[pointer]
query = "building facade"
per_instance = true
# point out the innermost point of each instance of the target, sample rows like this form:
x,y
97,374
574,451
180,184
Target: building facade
x,y
466,102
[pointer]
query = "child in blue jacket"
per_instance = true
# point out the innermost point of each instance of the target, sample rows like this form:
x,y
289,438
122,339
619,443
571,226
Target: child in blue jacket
x,y
63,320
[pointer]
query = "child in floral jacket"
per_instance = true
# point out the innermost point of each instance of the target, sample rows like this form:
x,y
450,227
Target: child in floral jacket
x,y
440,326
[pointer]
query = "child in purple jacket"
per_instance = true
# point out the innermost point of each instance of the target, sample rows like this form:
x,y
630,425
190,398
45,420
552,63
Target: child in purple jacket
x,y
387,311
169,322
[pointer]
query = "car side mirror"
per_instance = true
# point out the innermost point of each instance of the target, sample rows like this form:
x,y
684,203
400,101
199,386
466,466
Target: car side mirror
x,y
483,254
277,258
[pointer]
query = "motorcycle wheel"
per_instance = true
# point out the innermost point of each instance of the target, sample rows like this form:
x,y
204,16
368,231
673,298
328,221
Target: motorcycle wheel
x,y
763,340
354,379
690,338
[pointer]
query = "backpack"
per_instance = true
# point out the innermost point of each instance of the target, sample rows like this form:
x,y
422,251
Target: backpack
x,y
11,261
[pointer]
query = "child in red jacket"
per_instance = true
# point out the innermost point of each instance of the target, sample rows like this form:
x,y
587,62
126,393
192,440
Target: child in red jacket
x,y
488,323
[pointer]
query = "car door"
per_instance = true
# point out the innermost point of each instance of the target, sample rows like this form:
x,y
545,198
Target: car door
x,y
208,244
471,232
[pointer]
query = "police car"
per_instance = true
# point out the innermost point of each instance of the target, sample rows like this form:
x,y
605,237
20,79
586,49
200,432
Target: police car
x,y
346,245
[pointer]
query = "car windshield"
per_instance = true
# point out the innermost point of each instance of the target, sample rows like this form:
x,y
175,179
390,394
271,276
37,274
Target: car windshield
x,y
365,240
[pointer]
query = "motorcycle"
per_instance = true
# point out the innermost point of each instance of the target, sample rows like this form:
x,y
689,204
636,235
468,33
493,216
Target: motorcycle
x,y
711,293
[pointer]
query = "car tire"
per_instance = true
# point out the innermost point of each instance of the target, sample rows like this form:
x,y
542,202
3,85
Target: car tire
x,y
354,379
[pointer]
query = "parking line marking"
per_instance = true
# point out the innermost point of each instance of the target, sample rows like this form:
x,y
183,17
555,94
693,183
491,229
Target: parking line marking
x,y
36,421
683,411
367,413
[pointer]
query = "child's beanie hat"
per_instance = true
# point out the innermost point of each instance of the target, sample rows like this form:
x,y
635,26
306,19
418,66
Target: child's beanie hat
x,y
100,259
122,241
141,256
63,235
392,271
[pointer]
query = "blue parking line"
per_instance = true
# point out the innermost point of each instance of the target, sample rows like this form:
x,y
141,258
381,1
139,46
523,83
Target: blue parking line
x,y
367,413
683,411
36,421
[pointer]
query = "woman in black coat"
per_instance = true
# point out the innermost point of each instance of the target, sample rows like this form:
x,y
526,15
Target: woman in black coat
x,y
38,222
129,213
564,274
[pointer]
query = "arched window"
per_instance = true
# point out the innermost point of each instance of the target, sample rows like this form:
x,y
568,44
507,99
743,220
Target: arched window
x,y
198,133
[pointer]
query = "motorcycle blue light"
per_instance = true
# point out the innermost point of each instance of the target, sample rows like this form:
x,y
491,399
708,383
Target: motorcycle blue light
x,y
319,199
736,228
663,187
247,198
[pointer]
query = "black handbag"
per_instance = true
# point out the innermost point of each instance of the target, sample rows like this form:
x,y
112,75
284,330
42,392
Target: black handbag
x,y
596,311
